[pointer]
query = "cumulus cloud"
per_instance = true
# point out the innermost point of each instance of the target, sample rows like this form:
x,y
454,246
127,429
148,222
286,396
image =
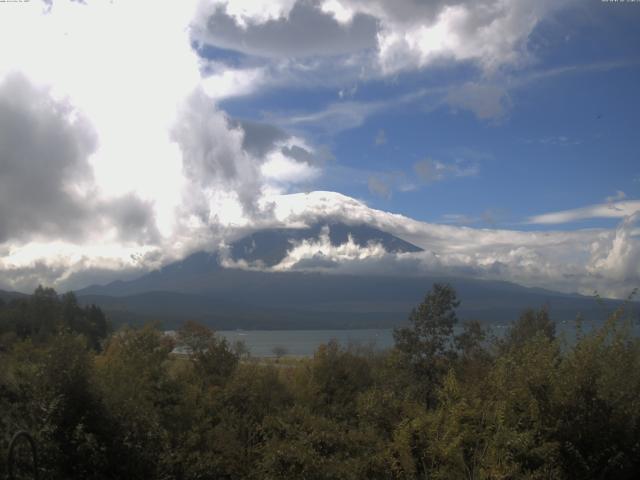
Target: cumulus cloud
x,y
321,253
281,167
115,159
342,42
223,82
44,156
47,188
212,153
287,28
582,260
406,34
259,138
617,257
110,143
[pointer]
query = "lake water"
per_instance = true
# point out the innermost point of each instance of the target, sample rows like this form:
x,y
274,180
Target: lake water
x,y
304,342
261,343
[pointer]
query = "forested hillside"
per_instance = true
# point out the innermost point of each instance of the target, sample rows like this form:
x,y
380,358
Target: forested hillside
x,y
437,405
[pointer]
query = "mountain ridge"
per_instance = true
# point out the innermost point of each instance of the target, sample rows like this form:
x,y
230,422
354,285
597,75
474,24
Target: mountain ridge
x,y
199,287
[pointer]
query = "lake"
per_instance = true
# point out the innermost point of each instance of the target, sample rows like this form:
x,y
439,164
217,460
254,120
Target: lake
x,y
304,342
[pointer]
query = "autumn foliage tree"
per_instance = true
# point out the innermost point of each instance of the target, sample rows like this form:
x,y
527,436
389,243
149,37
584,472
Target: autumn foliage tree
x,y
446,401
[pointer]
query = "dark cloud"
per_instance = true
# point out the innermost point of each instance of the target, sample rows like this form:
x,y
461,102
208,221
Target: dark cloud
x,y
299,154
66,276
307,31
134,218
47,189
259,138
489,32
26,278
43,155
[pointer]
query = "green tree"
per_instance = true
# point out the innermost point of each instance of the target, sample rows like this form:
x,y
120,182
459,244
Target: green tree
x,y
45,313
211,355
597,412
427,344
141,398
332,380
530,324
301,444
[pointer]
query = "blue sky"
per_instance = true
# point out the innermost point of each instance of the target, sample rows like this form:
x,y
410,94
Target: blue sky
x,y
499,136
567,134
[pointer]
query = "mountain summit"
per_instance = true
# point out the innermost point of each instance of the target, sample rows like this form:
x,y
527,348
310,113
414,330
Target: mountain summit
x,y
201,288
269,247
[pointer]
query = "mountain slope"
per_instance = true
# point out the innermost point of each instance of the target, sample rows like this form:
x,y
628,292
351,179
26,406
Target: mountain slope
x,y
199,288
232,298
7,296
270,247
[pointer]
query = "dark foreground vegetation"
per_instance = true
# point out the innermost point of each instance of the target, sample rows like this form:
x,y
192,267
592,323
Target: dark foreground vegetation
x,y
437,406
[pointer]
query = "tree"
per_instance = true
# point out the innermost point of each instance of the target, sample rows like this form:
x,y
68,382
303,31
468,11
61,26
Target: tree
x,y
469,342
44,314
331,382
212,356
530,324
427,345
90,321
279,351
140,397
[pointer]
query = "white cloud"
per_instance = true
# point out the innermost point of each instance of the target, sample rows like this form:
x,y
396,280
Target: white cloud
x,y
407,34
287,29
611,209
336,117
125,70
617,258
224,82
322,252
213,157
250,12
583,260
282,168
47,187
137,145
111,145
343,42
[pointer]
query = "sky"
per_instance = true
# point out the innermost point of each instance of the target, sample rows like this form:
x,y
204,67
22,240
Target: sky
x,y
500,136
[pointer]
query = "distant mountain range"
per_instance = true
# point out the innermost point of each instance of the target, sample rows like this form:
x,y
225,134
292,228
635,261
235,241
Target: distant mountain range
x,y
199,288
8,296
